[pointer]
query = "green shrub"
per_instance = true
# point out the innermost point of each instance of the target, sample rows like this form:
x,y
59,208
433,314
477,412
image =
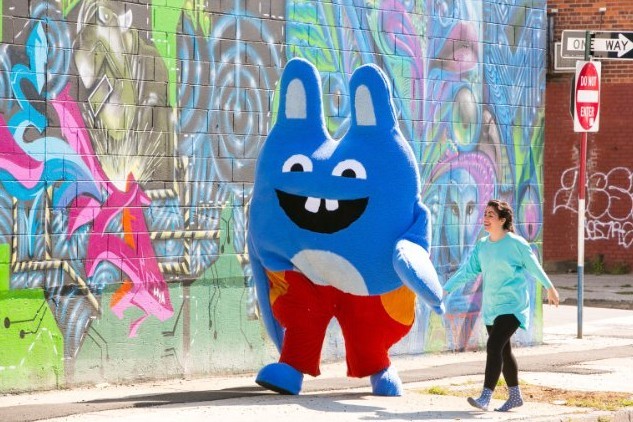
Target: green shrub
x,y
596,265
619,268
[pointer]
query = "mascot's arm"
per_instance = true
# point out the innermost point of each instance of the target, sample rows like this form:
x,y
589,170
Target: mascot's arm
x,y
262,287
412,262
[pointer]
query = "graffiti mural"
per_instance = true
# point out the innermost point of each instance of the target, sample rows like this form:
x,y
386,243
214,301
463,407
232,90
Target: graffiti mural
x,y
609,203
481,146
129,134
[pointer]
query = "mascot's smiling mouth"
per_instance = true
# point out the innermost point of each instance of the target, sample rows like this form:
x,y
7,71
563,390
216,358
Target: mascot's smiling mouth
x,y
321,215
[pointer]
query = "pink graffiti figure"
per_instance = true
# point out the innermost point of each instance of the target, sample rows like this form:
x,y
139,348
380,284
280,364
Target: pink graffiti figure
x,y
133,253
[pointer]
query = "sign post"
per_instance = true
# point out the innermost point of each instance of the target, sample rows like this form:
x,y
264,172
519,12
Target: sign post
x,y
576,44
586,119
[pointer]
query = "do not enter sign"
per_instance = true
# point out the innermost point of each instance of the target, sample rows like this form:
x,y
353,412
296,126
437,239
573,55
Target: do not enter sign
x,y
587,97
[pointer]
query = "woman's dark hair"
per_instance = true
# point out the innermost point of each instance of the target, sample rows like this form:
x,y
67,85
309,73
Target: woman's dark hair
x,y
503,210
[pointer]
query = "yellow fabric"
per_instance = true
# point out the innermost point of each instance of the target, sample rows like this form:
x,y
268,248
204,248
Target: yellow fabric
x,y
278,285
400,305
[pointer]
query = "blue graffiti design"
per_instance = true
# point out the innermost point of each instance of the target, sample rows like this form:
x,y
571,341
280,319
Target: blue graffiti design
x,y
60,167
36,50
61,163
510,70
213,148
57,33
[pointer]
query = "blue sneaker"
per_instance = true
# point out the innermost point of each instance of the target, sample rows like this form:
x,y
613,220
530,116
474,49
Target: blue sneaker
x,y
386,383
280,378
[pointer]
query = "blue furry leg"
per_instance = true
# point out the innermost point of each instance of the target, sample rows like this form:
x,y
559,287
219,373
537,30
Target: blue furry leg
x,y
386,383
280,378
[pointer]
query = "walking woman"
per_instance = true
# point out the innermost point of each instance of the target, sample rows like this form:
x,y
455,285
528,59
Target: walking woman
x,y
504,259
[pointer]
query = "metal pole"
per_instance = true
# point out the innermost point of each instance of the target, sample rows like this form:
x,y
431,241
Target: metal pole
x,y
581,208
581,229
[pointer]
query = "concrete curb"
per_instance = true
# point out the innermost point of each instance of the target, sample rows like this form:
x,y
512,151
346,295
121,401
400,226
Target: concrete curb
x,y
600,303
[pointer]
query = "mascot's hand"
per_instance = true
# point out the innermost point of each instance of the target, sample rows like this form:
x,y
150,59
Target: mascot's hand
x,y
411,262
262,288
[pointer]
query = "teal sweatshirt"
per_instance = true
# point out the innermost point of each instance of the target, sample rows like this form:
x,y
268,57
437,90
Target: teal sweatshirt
x,y
504,265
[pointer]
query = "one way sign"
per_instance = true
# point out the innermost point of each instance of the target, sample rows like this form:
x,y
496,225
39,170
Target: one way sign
x,y
617,45
612,45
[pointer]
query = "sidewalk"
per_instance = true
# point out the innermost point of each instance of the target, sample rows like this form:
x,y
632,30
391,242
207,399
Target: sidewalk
x,y
609,291
601,361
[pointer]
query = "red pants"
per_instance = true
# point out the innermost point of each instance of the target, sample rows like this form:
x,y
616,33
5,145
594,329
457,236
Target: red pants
x,y
370,324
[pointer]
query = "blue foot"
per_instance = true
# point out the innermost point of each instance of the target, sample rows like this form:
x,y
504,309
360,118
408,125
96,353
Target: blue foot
x,y
386,383
280,378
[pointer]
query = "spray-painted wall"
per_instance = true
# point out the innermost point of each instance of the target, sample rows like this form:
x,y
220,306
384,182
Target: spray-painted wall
x,y
128,136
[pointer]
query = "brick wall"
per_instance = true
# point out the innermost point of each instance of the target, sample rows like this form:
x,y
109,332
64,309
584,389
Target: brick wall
x,y
609,226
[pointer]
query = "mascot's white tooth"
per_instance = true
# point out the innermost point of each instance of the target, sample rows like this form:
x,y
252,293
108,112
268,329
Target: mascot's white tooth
x,y
331,204
313,204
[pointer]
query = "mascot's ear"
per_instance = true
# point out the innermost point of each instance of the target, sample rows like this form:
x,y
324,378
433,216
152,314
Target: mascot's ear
x,y
300,96
371,99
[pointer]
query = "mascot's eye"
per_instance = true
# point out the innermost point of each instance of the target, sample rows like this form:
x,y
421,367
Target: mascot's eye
x,y
350,168
297,163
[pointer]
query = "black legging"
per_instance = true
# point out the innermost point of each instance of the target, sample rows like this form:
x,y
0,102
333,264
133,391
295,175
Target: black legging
x,y
499,352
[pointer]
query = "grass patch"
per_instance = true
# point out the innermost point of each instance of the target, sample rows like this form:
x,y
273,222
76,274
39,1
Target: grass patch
x,y
534,393
620,268
438,391
600,401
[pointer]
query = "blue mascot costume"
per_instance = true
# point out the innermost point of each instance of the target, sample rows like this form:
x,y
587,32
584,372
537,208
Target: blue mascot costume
x,y
337,230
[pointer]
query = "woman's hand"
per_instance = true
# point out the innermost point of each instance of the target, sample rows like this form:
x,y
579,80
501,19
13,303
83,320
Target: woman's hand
x,y
552,296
